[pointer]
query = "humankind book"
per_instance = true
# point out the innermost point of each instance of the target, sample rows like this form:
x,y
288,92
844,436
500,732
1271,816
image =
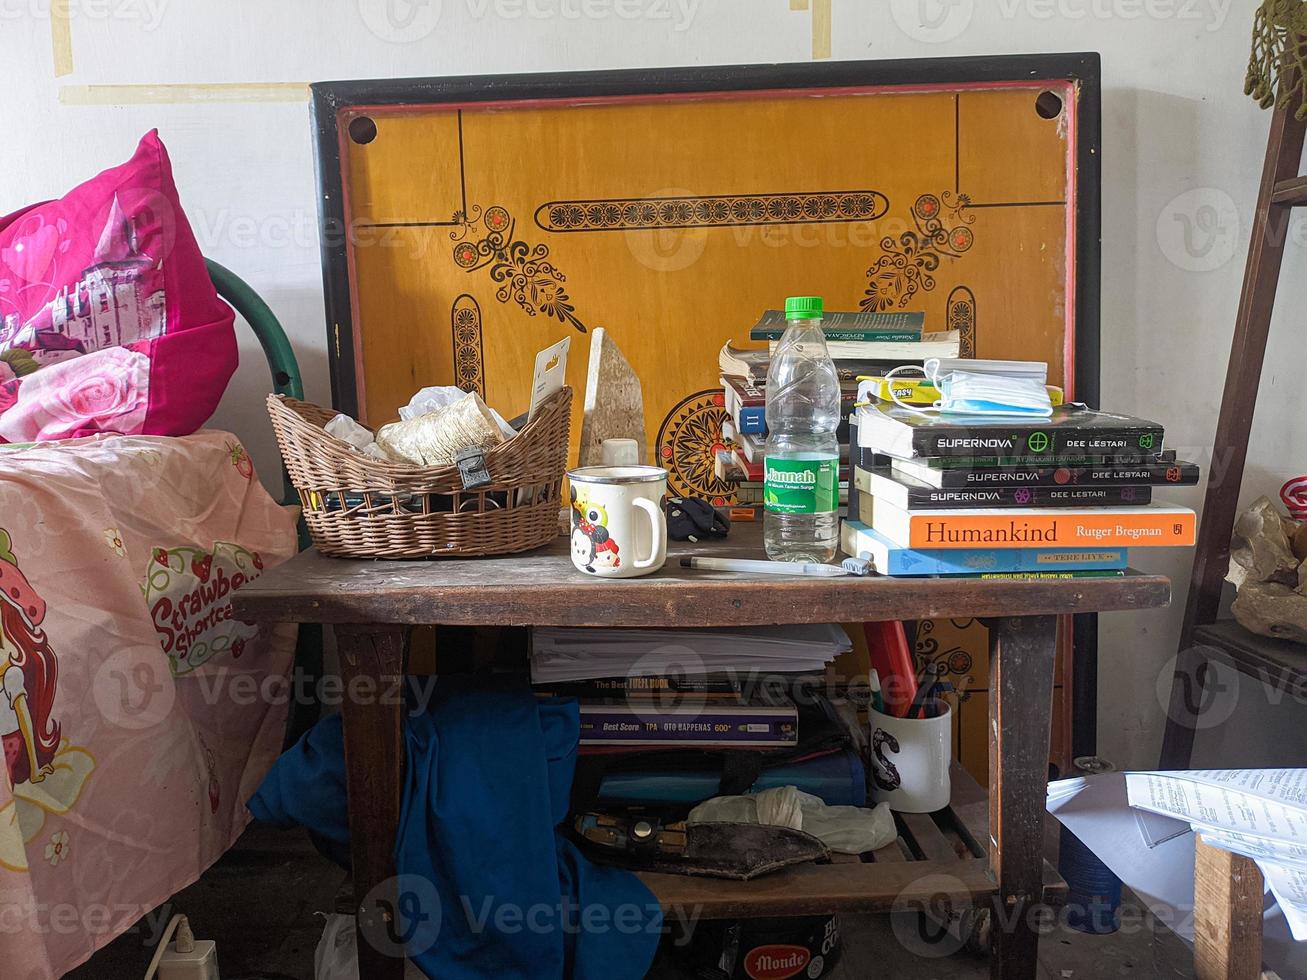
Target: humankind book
x,y
1070,430
1105,472
1151,526
887,558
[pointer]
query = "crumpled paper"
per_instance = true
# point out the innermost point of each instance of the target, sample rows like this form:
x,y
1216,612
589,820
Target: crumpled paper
x,y
437,437
435,399
1267,567
435,425
1261,549
843,829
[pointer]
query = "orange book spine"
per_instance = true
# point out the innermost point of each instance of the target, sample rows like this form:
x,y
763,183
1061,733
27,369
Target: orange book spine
x,y
1165,529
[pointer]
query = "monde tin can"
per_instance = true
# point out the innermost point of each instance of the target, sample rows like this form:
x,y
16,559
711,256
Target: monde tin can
x,y
764,949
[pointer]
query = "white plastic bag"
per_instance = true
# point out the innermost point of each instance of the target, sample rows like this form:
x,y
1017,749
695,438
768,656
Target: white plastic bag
x,y
337,957
347,430
844,829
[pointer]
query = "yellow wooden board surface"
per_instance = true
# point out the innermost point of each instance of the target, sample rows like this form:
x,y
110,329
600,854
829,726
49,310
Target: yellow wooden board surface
x,y
483,234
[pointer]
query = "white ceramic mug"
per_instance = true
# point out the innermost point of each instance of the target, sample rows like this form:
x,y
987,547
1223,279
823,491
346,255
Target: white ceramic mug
x,y
910,761
618,526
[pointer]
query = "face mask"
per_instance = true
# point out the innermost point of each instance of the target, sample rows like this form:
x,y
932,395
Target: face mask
x,y
1010,388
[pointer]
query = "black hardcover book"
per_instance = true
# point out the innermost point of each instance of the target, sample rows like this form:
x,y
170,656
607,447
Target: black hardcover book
x,y
870,459
909,494
1103,473
1071,430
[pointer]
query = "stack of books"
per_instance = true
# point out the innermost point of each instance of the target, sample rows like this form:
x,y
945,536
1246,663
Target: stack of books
x,y
665,688
1065,496
859,343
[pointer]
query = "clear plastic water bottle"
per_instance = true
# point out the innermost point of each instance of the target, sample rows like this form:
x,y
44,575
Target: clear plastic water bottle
x,y
801,490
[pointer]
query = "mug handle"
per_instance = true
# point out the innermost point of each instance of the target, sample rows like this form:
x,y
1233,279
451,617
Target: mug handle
x,y
659,522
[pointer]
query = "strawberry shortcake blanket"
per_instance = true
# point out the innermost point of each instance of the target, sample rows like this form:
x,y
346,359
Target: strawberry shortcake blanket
x,y
137,716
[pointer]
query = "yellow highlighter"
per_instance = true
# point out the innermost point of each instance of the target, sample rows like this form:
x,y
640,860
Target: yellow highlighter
x,y
916,391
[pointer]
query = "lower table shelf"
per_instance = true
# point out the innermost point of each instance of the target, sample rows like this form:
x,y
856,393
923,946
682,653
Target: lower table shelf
x,y
937,857
1278,661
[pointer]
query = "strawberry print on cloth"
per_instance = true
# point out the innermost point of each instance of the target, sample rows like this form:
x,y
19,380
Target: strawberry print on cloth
x,y
136,714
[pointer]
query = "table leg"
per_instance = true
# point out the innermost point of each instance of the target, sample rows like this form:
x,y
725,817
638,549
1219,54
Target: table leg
x,y
371,668
1192,668
1227,915
1022,655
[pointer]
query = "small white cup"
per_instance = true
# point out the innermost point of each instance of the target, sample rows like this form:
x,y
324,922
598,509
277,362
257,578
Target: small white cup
x,y
910,761
620,452
618,526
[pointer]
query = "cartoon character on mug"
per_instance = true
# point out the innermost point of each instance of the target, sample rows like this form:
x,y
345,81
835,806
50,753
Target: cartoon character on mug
x,y
607,552
592,546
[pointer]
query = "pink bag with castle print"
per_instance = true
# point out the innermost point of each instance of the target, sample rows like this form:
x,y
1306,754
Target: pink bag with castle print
x,y
108,319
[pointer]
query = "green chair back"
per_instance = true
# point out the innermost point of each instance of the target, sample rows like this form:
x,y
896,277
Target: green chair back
x,y
285,369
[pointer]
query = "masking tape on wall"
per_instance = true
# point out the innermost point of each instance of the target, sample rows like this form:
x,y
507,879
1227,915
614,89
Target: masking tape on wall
x,y
182,94
61,38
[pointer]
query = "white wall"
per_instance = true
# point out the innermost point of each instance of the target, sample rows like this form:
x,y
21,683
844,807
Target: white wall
x,y
1182,146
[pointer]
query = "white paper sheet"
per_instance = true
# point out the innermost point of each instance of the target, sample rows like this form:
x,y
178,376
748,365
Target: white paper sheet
x,y
1260,813
1142,849
1230,799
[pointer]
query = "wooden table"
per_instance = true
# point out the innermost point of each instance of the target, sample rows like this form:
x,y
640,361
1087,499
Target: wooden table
x,y
373,605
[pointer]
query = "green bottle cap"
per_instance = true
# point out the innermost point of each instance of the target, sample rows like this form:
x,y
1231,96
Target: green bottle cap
x,y
803,308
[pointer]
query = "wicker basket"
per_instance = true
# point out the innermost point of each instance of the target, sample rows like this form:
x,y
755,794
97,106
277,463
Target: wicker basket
x,y
359,507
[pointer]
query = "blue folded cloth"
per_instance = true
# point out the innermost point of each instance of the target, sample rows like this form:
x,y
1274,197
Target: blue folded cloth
x,y
489,887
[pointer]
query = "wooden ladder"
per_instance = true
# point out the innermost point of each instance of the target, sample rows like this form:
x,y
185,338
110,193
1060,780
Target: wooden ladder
x,y
1282,189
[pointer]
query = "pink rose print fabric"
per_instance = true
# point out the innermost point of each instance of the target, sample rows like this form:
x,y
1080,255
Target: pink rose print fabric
x,y
109,393
108,320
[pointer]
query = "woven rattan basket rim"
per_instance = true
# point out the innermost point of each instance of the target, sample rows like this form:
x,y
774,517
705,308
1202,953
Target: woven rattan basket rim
x,y
291,412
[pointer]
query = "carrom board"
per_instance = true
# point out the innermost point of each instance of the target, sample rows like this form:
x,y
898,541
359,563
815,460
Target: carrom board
x,y
468,223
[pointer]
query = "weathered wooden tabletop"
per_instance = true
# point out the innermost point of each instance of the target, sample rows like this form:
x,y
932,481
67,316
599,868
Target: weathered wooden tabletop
x,y
542,588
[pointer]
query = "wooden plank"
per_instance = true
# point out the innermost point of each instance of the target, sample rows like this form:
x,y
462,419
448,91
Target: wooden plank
x,y
614,401
1020,712
1247,352
1278,665
930,841
1291,192
820,889
1279,662
542,588
1227,915
892,852
370,659
970,810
